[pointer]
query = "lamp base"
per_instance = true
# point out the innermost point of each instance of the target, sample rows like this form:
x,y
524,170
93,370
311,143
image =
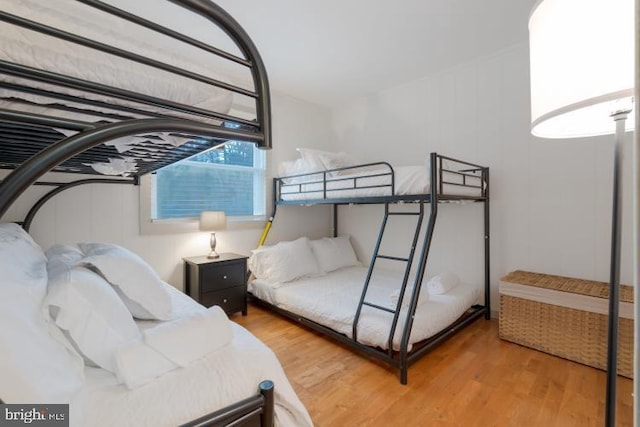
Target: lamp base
x,y
212,242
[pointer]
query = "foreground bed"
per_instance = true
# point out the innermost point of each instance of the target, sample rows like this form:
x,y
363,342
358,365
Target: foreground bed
x,y
69,336
119,88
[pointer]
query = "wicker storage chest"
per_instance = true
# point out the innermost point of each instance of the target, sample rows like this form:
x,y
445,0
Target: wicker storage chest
x,y
565,317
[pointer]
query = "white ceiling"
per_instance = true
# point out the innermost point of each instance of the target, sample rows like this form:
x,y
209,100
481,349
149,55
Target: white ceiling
x,y
331,51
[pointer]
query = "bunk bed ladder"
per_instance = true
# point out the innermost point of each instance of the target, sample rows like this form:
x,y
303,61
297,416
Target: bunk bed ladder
x,y
405,280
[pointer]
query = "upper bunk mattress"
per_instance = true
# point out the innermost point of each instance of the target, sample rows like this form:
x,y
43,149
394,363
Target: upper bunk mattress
x,y
332,300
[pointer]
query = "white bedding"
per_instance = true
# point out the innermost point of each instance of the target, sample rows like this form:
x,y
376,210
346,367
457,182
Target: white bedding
x,y
332,300
40,364
407,180
217,380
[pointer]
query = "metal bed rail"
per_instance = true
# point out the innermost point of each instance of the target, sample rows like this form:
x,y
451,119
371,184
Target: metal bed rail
x,y
341,185
255,411
347,178
468,174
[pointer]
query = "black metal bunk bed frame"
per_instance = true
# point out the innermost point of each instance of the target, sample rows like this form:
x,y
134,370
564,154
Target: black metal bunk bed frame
x,y
31,145
402,358
24,134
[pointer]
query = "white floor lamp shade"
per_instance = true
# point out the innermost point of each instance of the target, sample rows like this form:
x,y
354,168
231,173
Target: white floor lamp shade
x,y
581,66
582,84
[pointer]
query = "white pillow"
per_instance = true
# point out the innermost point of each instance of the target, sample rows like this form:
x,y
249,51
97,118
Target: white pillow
x,y
94,317
337,160
293,167
141,289
60,258
283,262
22,262
334,253
322,160
59,249
33,366
312,159
442,283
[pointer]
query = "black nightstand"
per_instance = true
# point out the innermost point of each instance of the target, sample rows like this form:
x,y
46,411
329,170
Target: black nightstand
x,y
220,281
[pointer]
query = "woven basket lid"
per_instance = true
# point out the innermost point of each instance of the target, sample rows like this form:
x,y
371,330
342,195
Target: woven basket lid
x,y
567,284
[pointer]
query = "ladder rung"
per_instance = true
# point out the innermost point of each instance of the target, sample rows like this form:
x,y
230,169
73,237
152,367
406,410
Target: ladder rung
x,y
403,213
395,258
378,307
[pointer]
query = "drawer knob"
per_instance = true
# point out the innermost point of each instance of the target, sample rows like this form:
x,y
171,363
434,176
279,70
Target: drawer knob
x,y
224,300
224,277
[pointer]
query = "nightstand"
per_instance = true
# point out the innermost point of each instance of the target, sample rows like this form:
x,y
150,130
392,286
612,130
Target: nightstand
x,y
220,281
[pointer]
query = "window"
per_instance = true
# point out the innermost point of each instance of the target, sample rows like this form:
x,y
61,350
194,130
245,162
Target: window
x,y
230,178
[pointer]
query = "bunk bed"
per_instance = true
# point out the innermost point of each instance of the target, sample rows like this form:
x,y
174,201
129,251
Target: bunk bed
x,y
118,89
96,89
356,310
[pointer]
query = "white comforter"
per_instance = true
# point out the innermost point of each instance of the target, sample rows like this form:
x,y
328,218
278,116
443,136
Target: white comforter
x,y
332,300
220,378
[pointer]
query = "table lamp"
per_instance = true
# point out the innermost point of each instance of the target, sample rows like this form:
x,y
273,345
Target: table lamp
x,y
213,221
582,84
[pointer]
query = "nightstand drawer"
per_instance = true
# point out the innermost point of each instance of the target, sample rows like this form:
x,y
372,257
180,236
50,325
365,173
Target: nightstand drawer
x,y
215,278
230,300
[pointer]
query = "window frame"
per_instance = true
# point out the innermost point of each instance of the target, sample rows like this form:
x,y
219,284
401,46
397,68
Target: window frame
x,y
149,226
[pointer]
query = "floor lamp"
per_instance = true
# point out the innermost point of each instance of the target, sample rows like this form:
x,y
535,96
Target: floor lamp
x,y
582,82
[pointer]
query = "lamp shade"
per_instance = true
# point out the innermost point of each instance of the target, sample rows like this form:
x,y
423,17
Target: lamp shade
x,y
582,66
213,221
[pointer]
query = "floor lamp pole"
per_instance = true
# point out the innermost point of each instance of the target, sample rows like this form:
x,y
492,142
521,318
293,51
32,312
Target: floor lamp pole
x,y
635,186
636,272
614,278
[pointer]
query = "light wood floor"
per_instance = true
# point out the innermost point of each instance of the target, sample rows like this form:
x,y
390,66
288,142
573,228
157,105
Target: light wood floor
x,y
473,379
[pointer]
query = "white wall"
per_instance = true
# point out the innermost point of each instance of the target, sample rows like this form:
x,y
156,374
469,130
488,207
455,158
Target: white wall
x,y
550,199
110,212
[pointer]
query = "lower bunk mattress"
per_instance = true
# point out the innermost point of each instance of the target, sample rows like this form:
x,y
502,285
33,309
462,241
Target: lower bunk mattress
x,y
332,300
566,317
